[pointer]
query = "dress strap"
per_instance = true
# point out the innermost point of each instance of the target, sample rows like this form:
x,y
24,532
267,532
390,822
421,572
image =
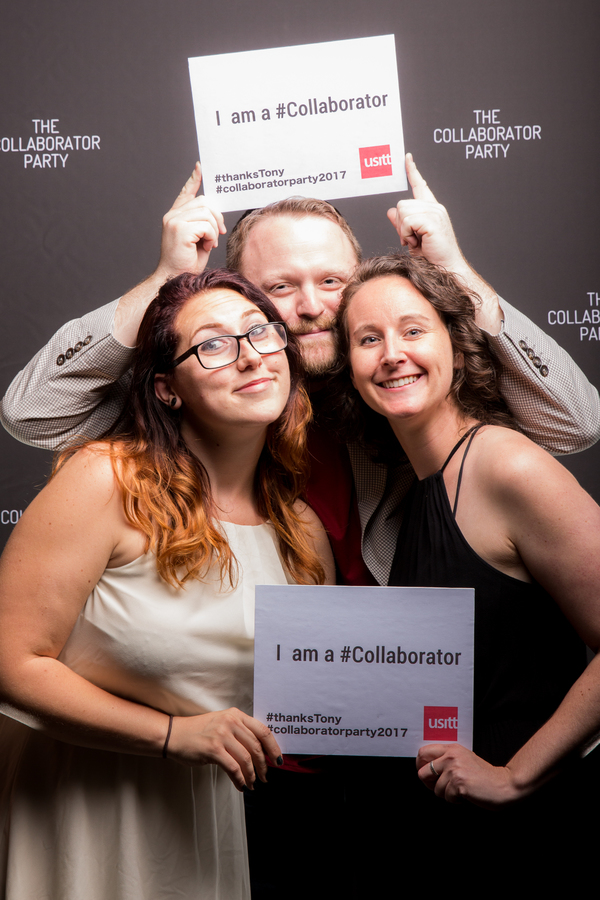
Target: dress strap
x,y
468,434
459,443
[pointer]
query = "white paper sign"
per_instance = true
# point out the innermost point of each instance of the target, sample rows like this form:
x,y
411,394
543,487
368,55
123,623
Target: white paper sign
x,y
317,120
364,671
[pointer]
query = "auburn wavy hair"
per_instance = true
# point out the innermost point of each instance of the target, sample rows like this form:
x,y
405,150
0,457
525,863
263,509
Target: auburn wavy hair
x,y
475,385
166,490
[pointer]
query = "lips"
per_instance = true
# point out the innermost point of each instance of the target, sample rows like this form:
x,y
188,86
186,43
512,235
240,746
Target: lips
x,y
399,382
257,385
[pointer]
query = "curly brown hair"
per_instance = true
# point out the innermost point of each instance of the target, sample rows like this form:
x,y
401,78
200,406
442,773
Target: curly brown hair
x,y
475,385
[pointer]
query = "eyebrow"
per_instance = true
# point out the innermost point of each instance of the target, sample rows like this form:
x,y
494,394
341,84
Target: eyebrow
x,y
219,325
408,317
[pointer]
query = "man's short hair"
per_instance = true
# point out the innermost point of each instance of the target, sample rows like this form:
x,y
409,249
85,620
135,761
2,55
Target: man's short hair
x,y
297,208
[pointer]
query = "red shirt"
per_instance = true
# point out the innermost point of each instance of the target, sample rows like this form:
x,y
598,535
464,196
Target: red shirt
x,y
331,493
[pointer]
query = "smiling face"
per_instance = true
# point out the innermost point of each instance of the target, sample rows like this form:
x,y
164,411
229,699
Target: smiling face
x,y
401,355
248,394
302,264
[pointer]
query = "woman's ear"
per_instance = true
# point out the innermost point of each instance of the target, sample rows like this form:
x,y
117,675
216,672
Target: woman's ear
x,y
165,392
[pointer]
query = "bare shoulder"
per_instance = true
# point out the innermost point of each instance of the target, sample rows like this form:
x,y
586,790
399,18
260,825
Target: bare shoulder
x,y
549,519
93,461
509,462
496,439
307,514
530,489
318,537
79,510
312,523
83,482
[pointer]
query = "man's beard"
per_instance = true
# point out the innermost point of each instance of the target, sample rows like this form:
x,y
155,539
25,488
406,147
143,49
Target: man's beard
x,y
318,358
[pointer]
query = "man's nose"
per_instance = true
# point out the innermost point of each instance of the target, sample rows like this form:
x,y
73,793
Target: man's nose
x,y
309,304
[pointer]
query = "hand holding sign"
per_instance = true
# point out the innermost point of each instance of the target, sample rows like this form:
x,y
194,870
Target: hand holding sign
x,y
424,225
191,229
459,774
228,738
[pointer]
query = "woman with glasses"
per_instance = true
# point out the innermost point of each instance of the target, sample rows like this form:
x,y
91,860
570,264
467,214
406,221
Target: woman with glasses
x,y
126,612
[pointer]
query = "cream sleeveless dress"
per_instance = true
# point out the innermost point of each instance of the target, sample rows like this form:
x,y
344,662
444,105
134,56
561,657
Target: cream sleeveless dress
x,y
80,824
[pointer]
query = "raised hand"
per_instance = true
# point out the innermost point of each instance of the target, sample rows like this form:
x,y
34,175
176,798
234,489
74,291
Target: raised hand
x,y
423,224
190,231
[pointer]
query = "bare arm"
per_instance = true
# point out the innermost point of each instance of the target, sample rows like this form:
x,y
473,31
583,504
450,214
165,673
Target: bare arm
x,y
554,526
54,558
319,540
548,394
76,385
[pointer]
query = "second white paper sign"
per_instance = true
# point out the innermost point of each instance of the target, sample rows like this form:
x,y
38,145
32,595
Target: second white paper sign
x,y
364,671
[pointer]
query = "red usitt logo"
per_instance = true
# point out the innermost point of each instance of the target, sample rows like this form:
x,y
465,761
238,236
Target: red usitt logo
x,y
375,161
440,723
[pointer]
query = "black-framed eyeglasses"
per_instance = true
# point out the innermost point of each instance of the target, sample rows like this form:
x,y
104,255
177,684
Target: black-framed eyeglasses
x,y
223,350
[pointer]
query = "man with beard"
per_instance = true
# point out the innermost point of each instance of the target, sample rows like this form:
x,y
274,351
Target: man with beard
x,y
301,252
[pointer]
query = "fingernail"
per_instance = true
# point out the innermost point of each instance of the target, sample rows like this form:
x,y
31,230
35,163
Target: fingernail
x,y
279,760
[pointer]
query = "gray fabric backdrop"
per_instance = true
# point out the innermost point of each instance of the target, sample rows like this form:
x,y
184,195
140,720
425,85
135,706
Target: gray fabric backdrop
x,y
78,234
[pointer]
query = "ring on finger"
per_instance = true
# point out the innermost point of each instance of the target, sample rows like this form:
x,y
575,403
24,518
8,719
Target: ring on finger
x,y
433,771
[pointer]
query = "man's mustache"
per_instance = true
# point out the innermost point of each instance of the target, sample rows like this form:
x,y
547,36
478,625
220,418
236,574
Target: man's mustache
x,y
321,323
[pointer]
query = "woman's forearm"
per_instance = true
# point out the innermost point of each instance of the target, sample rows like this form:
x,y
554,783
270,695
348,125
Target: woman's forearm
x,y
46,695
455,773
570,730
49,697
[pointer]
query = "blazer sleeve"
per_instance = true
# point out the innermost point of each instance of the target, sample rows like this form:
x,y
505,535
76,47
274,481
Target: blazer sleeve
x,y
75,387
554,403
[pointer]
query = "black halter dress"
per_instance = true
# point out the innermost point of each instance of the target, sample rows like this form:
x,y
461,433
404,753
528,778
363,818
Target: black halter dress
x,y
527,655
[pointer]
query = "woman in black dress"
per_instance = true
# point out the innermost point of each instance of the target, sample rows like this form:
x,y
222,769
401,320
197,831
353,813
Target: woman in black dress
x,y
489,510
